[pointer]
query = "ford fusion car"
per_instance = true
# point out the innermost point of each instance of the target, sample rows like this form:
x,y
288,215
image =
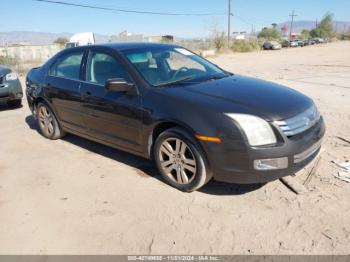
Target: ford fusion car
x,y
163,102
10,87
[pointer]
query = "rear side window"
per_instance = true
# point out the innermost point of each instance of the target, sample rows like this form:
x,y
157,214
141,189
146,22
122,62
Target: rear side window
x,y
67,66
102,67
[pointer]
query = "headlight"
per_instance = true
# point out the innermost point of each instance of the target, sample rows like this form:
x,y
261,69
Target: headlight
x,y
257,130
11,76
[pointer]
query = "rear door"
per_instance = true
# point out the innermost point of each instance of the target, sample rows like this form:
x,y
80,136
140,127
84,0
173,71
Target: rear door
x,y
63,82
113,117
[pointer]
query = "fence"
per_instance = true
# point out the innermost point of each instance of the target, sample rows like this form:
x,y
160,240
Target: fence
x,y
27,56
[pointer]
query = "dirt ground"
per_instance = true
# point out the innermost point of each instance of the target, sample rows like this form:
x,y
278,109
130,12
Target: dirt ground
x,y
73,196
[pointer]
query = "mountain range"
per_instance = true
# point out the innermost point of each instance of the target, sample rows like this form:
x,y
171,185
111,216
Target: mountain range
x,y
298,26
29,37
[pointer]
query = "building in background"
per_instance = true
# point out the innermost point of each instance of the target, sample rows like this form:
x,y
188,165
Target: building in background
x,y
81,39
239,35
162,38
125,36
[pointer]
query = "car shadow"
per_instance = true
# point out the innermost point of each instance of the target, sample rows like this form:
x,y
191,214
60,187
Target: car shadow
x,y
6,107
144,167
31,122
226,189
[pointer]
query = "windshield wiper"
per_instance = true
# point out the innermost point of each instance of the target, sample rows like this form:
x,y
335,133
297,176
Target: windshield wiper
x,y
175,81
216,77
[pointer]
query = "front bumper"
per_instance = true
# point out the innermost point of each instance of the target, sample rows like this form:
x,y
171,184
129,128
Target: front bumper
x,y
233,161
10,90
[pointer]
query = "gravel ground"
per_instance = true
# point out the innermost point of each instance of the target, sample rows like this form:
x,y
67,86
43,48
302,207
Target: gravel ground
x,y
73,196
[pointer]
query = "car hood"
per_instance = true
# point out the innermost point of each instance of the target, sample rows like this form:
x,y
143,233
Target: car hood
x,y
239,94
4,70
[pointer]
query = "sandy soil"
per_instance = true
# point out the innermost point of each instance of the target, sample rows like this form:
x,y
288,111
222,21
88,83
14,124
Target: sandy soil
x,y
73,196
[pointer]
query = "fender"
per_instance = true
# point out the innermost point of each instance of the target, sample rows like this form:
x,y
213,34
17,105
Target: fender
x,y
180,128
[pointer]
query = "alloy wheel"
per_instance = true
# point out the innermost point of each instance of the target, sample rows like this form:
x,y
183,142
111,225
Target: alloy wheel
x,y
177,161
46,120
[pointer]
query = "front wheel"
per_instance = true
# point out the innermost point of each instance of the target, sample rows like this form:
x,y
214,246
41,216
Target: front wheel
x,y
180,160
48,123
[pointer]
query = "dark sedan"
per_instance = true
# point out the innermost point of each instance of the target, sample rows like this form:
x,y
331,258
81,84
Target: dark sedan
x,y
163,102
10,87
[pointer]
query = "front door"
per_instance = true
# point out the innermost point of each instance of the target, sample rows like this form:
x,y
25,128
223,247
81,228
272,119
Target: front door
x,y
113,117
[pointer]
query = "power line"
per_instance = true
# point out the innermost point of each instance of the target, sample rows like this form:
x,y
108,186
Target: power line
x,y
128,10
249,21
242,19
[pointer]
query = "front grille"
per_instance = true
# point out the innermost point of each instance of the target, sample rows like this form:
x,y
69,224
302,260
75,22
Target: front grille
x,y
1,80
307,153
299,123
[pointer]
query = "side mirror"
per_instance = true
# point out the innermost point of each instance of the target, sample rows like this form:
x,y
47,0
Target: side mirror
x,y
118,85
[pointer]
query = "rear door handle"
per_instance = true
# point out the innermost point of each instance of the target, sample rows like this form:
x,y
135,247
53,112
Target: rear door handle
x,y
88,93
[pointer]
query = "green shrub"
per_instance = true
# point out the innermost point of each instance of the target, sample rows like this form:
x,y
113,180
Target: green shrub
x,y
270,33
243,46
220,41
345,36
325,28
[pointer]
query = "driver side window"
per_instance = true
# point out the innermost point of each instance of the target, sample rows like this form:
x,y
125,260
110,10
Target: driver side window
x,y
102,67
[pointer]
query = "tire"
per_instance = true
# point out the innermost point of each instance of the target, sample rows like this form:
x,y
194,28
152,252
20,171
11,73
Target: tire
x,y
48,123
180,160
14,103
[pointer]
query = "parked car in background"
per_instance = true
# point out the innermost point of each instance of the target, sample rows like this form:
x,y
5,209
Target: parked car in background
x,y
319,40
311,41
10,87
306,42
285,43
163,102
299,42
272,45
293,43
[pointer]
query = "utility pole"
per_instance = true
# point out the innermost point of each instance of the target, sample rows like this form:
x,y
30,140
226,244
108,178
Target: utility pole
x,y
253,30
291,23
229,24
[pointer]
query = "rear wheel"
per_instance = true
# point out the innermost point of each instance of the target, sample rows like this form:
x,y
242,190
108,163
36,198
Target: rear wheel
x,y
48,123
180,160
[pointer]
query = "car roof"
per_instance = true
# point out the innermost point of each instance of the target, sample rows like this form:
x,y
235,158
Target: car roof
x,y
134,45
119,46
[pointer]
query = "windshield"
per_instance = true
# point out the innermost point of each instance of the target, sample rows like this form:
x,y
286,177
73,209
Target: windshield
x,y
168,65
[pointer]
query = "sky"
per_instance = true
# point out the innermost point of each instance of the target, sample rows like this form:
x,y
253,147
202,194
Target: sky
x,y
30,15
